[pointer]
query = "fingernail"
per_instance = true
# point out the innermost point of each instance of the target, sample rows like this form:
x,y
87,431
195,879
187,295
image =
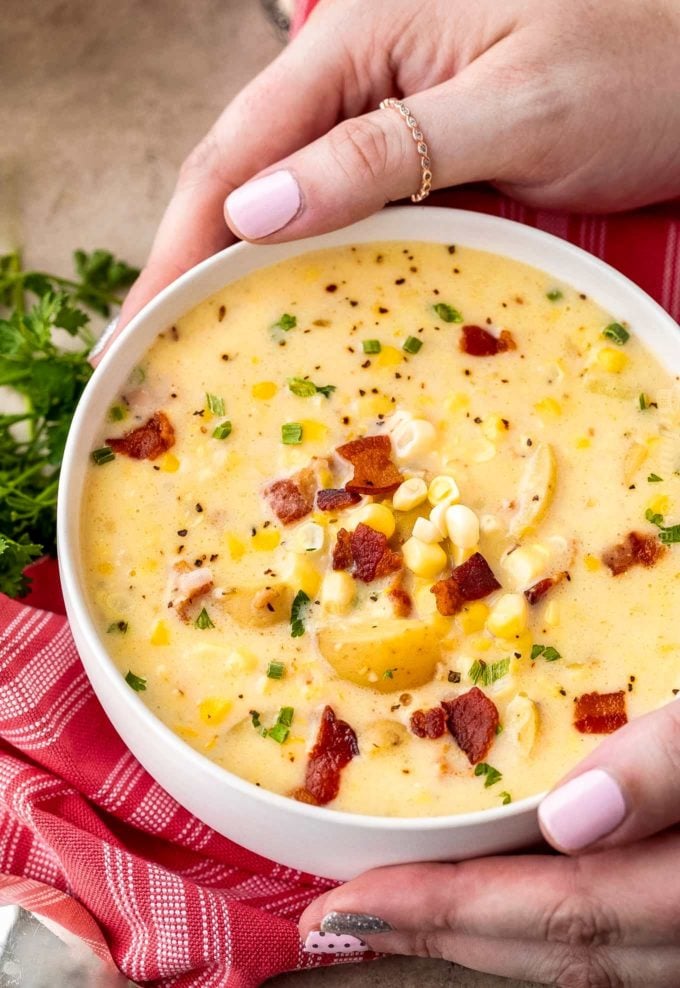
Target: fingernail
x,y
320,942
583,810
106,335
358,923
264,205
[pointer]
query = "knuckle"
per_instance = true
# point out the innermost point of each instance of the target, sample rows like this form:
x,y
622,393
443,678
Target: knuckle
x,y
361,146
587,969
580,919
200,163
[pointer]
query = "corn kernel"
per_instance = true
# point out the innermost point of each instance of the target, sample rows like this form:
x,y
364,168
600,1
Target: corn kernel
x,y
438,518
303,575
481,643
105,569
592,563
378,516
526,565
508,616
660,505
209,745
309,537
266,539
160,634
337,592
462,526
185,732
149,566
459,554
169,463
423,559
443,490
552,614
374,405
389,356
494,427
583,442
457,402
412,437
426,531
548,408
409,494
213,710
240,661
473,617
235,546
611,360
264,390
312,430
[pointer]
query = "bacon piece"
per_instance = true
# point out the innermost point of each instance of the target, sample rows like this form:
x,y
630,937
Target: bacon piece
x,y
600,713
304,796
401,599
374,472
428,723
291,498
372,556
342,550
472,719
472,580
539,590
635,550
336,745
336,499
191,584
479,342
148,441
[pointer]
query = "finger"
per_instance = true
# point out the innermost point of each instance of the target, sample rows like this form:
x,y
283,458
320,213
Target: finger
x,y
364,162
621,898
625,790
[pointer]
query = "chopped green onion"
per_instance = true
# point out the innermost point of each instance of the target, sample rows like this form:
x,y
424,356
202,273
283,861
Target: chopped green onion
x,y
389,673
412,344
499,729
285,716
371,346
297,625
285,323
616,333
554,295
643,401
654,478
255,717
488,674
654,517
222,431
120,626
505,798
447,313
275,670
103,455
137,683
670,535
492,774
278,733
117,413
215,404
291,433
203,621
303,388
549,653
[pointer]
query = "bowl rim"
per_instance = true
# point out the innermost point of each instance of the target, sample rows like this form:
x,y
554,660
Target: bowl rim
x,y
395,223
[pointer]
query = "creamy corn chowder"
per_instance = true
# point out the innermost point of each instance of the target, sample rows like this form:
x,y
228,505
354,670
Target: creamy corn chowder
x,y
391,528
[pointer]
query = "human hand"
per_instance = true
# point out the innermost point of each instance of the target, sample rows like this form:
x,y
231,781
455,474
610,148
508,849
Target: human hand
x,y
560,105
607,915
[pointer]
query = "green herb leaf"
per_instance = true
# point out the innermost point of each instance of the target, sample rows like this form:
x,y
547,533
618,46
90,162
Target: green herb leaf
x,y
15,556
412,344
554,295
120,627
255,717
278,733
547,651
285,716
389,673
103,455
298,608
371,346
488,674
492,774
616,333
447,313
654,517
285,323
222,431
643,401
291,433
117,413
203,621
276,670
136,682
505,798
537,650
670,535
215,404
303,388
654,478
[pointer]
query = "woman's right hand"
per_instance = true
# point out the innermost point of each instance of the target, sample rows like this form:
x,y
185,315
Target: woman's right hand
x,y
560,105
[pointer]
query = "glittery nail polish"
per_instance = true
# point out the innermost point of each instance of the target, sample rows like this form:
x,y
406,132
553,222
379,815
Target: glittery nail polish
x,y
359,924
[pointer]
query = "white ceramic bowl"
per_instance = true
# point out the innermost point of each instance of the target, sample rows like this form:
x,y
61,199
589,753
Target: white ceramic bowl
x,y
321,841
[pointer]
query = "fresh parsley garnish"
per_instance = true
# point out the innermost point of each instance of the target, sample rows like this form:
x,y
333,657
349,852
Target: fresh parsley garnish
x,y
616,333
303,388
554,295
654,478
215,404
298,608
285,323
137,683
547,651
203,621
447,313
481,672
505,798
492,774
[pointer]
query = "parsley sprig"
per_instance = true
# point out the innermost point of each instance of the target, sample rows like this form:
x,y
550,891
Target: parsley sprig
x,y
48,379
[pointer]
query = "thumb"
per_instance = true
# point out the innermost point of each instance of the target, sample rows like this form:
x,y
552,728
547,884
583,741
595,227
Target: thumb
x,y
625,790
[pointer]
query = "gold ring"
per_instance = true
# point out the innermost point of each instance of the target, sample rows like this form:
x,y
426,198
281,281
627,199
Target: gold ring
x,y
421,146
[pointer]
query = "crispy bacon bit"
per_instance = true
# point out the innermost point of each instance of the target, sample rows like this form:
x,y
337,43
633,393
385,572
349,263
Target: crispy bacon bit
x,y
336,745
304,796
401,599
189,585
428,723
336,499
372,556
480,342
635,550
600,713
342,550
539,590
374,472
472,580
148,441
472,719
293,497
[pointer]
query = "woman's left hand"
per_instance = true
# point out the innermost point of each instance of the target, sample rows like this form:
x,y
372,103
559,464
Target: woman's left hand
x,y
604,913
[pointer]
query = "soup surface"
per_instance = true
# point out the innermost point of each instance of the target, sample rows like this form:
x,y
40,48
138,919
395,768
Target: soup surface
x,y
389,528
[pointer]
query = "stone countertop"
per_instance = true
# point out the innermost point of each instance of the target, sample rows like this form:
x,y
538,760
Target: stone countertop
x,y
101,102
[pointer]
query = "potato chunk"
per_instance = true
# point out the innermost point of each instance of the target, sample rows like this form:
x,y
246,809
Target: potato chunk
x,y
521,722
388,656
258,607
536,490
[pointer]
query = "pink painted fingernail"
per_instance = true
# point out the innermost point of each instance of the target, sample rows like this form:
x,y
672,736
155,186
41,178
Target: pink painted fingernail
x,y
264,205
318,942
583,810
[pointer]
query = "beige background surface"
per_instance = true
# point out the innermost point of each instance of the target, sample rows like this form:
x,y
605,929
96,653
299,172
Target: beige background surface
x,y
101,102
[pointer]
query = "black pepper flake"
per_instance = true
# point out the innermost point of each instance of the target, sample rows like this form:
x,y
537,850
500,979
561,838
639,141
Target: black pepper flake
x,y
345,419
453,676
174,333
382,310
221,313
353,303
451,249
477,420
199,507
225,356
563,692
362,392
400,281
198,563
366,363
155,467
182,532
331,288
